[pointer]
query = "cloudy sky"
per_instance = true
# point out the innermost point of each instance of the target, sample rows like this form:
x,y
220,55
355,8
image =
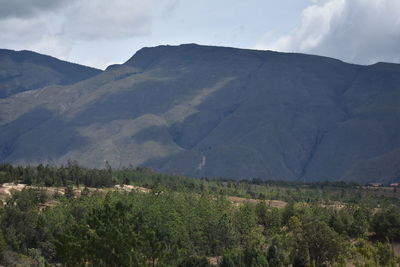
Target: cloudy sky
x,y
102,32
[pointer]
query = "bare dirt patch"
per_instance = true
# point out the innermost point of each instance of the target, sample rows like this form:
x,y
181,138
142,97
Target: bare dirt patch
x,y
335,206
129,188
214,260
396,248
270,203
7,188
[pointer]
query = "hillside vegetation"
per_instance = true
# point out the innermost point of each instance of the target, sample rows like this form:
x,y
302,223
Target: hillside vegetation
x,y
179,221
22,71
216,112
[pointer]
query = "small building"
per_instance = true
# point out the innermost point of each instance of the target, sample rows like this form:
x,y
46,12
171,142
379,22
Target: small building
x,y
395,185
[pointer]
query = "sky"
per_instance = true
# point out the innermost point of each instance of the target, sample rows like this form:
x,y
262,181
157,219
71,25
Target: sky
x,y
99,33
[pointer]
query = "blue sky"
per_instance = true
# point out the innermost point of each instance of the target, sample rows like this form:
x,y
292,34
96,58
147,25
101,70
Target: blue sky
x,y
100,32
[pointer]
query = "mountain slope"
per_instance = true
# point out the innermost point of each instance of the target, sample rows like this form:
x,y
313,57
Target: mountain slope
x,y
214,111
25,70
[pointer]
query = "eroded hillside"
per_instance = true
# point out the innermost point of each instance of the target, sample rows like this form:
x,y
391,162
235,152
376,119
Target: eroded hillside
x,y
213,111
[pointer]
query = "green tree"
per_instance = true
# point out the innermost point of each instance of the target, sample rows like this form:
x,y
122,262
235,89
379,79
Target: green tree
x,y
386,223
324,244
69,192
385,254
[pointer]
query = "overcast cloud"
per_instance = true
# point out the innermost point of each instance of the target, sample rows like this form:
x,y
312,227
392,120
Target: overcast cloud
x,y
53,27
98,19
102,32
357,31
28,8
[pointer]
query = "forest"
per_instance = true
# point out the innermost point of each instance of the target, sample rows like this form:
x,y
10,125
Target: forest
x,y
74,216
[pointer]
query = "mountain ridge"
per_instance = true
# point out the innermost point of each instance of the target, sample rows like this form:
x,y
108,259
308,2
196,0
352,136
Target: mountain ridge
x,y
25,70
217,111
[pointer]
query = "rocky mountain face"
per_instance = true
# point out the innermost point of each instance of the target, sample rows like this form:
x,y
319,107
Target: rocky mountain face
x,y
25,70
214,111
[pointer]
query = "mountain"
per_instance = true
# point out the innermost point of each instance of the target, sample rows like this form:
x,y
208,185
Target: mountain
x,y
216,111
25,70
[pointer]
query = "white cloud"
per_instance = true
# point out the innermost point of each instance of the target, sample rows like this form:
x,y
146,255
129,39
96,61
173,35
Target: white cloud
x,y
358,31
55,28
35,34
102,19
28,8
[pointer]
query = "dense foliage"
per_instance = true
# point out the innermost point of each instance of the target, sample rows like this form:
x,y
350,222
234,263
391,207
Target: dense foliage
x,y
187,222
75,175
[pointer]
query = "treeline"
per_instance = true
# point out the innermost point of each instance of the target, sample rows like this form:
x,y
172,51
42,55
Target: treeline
x,y
165,228
74,175
45,175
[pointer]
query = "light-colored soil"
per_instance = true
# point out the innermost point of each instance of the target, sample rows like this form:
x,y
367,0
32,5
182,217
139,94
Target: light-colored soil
x,y
270,203
131,188
336,206
7,188
396,248
214,260
242,199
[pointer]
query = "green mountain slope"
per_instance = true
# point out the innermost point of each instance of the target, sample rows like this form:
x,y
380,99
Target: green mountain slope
x,y
213,111
25,70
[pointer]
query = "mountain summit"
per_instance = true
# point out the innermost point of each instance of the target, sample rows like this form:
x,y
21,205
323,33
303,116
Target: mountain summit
x,y
216,111
25,70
